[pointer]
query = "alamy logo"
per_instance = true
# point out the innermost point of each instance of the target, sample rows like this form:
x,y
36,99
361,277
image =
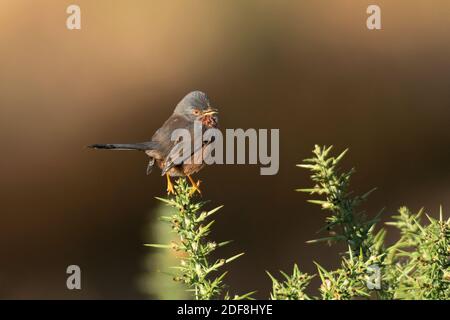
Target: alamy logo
x,y
211,147
73,21
373,280
74,280
374,20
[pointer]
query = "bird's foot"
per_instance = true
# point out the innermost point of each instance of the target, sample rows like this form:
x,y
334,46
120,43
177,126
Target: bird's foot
x,y
195,186
170,188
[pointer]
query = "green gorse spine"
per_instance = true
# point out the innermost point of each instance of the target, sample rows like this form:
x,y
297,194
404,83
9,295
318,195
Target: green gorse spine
x,y
190,222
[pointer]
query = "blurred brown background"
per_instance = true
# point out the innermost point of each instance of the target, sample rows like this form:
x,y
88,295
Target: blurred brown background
x,y
310,68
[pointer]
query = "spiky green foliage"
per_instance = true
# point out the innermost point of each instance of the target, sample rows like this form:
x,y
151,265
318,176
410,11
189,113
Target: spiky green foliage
x,y
415,267
189,222
419,263
344,223
351,280
292,288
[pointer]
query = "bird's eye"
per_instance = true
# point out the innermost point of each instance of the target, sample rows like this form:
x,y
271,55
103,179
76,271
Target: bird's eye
x,y
196,112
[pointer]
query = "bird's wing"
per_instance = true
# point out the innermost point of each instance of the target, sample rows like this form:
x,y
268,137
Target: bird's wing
x,y
163,135
173,150
177,156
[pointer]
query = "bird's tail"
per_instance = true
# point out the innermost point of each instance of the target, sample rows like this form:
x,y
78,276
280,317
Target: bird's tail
x,y
125,146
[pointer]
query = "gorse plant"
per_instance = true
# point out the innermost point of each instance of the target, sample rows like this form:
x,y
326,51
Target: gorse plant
x,y
354,227
419,265
292,288
188,221
345,224
415,267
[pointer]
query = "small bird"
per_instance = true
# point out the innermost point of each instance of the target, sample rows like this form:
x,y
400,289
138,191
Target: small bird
x,y
195,106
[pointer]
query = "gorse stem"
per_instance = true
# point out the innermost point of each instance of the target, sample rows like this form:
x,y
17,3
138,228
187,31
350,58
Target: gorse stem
x,y
344,224
355,229
189,222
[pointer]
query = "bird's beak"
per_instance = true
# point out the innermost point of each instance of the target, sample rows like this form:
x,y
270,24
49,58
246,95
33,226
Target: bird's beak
x,y
210,111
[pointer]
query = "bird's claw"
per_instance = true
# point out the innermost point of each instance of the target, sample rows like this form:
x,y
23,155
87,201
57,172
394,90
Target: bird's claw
x,y
170,188
195,187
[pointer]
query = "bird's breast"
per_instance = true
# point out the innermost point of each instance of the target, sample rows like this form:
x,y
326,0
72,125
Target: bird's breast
x,y
210,121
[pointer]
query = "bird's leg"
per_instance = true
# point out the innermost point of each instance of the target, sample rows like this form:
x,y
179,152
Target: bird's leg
x,y
195,186
170,188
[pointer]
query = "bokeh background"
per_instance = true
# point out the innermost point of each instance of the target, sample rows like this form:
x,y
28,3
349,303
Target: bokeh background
x,y
309,68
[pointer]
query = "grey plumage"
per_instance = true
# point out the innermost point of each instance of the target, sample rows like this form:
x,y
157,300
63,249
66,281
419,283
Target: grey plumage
x,y
125,146
161,149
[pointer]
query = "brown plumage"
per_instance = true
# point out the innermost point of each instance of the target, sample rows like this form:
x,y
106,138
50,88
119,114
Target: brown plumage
x,y
161,149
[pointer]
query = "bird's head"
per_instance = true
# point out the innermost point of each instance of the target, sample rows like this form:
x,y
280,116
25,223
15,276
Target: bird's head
x,y
196,106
